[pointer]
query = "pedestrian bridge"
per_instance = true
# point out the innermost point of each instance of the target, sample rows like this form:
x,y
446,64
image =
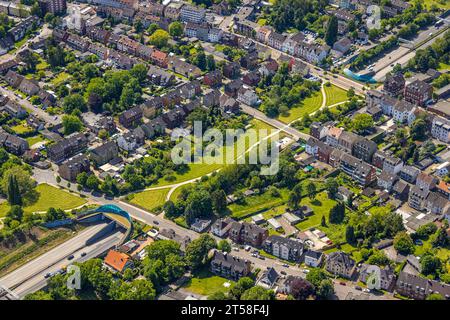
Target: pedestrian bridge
x,y
111,212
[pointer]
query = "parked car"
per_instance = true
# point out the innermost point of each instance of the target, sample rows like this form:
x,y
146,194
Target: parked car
x,y
286,265
70,257
358,288
342,283
283,272
83,254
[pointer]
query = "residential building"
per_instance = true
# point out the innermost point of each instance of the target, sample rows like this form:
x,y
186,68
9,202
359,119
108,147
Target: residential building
x,y
360,171
53,6
426,181
341,264
364,149
284,248
313,258
419,288
418,92
436,203
409,173
213,78
68,147
268,278
221,227
131,117
394,84
386,276
247,233
440,129
248,97
392,164
417,197
386,180
333,135
229,266
104,153
189,13
13,143
118,261
71,168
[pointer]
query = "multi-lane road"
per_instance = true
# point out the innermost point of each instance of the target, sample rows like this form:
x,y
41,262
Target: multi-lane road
x,y
31,276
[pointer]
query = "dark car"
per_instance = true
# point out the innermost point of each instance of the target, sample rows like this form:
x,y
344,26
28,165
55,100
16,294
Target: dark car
x,y
283,272
155,222
47,275
83,254
70,257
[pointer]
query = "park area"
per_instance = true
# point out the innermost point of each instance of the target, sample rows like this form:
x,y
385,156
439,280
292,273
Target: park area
x,y
307,106
49,197
256,204
335,95
149,199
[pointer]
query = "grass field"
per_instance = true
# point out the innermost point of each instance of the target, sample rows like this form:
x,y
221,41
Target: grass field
x,y
197,170
49,197
335,95
443,4
21,129
61,77
35,139
257,203
176,193
309,105
150,199
206,283
443,66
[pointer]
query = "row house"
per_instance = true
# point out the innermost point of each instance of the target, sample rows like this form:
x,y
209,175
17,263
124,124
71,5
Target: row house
x,y
184,68
319,130
131,117
364,149
269,68
104,153
358,170
145,52
292,43
437,204
313,53
409,173
154,127
211,99
148,19
121,60
190,89
426,181
213,78
151,106
231,70
172,11
418,92
386,180
20,29
171,98
99,50
131,140
71,168
247,234
68,147
159,58
98,34
333,135
154,8
160,77
13,144
245,27
417,287
347,141
128,45
384,101
276,40
440,129
228,266
250,61
76,42
251,79
262,34
394,84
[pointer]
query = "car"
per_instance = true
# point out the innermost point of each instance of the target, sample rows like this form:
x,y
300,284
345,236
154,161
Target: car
x,y
261,257
236,249
366,290
358,288
286,265
305,271
155,222
342,283
83,254
70,257
247,248
254,255
283,272
47,275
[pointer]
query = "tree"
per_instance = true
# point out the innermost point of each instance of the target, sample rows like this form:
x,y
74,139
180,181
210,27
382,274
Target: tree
x,y
176,29
332,31
159,38
301,289
430,264
323,222
295,196
311,189
322,285
13,193
71,124
331,186
224,245
337,213
219,200
198,204
218,295
418,129
139,71
39,295
169,209
435,296
350,234
240,287
403,243
152,28
362,122
440,238
53,214
140,289
197,251
22,187
200,60
92,182
258,293
74,102
210,62
15,213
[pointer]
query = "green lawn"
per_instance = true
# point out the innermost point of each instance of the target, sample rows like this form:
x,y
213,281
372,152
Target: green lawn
x,y
309,105
335,95
176,193
22,128
443,4
197,170
35,139
61,77
150,199
262,22
206,283
49,197
257,203
444,66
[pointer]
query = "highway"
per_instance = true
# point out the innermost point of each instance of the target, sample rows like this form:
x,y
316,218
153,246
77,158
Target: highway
x,y
30,277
